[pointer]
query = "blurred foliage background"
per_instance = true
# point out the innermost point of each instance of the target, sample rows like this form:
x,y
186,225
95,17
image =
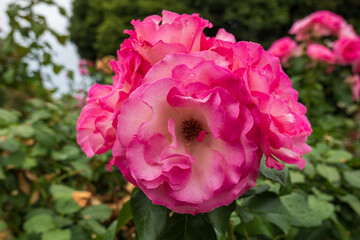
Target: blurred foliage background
x,y
50,190
96,26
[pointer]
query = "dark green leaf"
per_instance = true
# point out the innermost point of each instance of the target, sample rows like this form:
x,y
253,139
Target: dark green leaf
x,y
273,174
62,39
124,216
220,217
150,219
187,227
111,231
245,215
352,201
269,207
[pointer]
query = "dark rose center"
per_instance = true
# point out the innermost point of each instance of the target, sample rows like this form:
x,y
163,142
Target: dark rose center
x,y
191,129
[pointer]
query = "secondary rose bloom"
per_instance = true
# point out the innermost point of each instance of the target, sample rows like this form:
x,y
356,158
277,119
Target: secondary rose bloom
x,y
320,23
347,50
283,48
319,52
284,126
188,117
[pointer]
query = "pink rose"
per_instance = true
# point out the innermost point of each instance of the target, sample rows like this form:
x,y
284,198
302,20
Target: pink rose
x,y
354,82
96,125
188,117
283,48
319,52
187,137
176,33
318,24
347,50
149,42
284,126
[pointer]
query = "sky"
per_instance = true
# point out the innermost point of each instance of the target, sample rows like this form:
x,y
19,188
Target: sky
x,y
65,55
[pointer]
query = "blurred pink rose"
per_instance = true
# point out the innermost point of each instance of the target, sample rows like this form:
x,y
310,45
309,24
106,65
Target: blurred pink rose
x,y
354,81
319,52
283,48
187,137
347,50
84,65
318,24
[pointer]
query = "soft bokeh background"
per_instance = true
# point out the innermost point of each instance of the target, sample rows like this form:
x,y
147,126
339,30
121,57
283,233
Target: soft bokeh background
x,y
50,190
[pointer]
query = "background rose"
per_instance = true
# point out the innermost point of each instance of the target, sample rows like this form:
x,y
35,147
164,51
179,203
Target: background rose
x,y
283,48
319,52
184,139
320,23
347,50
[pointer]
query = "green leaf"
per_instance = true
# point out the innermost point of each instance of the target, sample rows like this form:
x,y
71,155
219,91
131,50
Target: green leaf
x,y
269,207
297,177
62,11
3,225
321,208
220,217
2,174
328,172
57,234
273,174
125,215
45,136
63,201
353,178
338,156
150,219
245,215
57,68
39,223
10,144
23,131
353,202
97,212
78,233
111,231
8,117
257,227
187,227
93,227
301,213
62,39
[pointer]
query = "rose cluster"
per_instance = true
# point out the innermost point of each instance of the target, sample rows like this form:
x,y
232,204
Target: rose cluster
x,y
312,33
188,117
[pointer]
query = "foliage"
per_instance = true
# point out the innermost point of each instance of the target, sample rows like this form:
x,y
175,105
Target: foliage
x,y
96,27
50,190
